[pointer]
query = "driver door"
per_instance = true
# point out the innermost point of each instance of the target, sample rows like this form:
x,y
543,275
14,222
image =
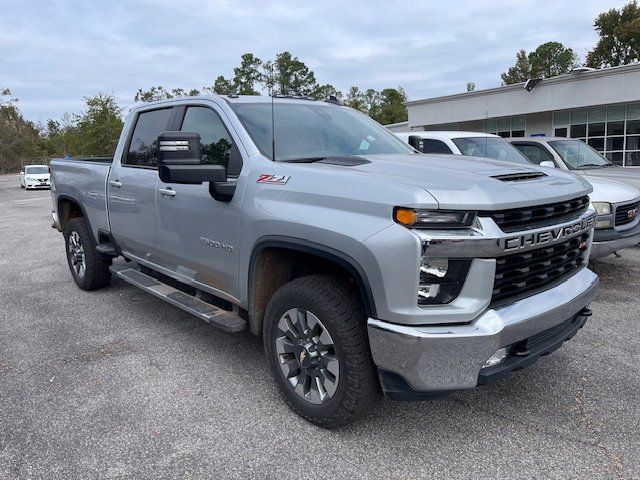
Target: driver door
x,y
198,235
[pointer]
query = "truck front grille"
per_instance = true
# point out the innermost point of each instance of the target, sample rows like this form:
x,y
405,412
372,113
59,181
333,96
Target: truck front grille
x,y
626,213
520,274
517,219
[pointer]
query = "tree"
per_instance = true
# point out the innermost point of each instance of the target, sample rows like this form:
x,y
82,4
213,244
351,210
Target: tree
x,y
160,93
99,125
619,42
548,60
391,108
247,75
552,59
292,77
20,140
471,87
324,92
222,86
520,72
355,99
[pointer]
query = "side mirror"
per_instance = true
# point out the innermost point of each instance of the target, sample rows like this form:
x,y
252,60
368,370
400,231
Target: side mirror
x,y
179,160
416,142
547,163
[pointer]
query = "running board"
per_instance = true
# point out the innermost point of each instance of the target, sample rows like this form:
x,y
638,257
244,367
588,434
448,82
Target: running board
x,y
217,317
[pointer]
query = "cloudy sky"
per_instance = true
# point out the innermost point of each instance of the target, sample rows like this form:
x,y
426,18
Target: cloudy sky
x,y
52,53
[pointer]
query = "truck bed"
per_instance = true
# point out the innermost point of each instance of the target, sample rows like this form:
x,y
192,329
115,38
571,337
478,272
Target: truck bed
x,y
84,180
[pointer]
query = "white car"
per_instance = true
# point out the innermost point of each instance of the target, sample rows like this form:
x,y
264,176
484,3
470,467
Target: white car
x,y
35,176
617,204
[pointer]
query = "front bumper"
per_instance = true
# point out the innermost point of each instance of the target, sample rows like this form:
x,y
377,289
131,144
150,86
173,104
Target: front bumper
x,y
607,241
417,361
32,185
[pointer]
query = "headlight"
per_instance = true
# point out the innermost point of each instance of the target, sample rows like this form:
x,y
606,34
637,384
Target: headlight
x,y
413,218
602,208
441,280
31,179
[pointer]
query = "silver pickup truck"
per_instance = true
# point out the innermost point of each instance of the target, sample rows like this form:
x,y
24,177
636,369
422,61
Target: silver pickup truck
x,y
365,265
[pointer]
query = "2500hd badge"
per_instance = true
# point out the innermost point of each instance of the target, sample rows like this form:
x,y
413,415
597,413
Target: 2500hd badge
x,y
536,239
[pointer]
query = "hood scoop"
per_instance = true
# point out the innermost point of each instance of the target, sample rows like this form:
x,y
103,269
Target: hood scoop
x,y
519,176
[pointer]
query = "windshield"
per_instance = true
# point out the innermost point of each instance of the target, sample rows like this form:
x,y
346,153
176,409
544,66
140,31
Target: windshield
x,y
577,155
313,131
490,147
36,170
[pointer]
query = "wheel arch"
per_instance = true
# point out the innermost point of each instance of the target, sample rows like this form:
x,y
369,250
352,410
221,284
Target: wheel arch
x,y
275,260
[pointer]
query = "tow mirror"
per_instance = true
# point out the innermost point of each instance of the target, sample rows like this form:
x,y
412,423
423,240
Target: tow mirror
x,y
416,142
547,163
179,160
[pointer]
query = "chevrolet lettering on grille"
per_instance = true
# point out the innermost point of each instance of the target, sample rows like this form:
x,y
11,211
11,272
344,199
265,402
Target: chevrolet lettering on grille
x,y
532,240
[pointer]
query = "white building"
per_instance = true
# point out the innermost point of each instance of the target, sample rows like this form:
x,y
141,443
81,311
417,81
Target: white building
x,y
601,107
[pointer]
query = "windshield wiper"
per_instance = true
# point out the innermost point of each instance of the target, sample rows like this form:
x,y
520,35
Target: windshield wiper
x,y
303,160
599,165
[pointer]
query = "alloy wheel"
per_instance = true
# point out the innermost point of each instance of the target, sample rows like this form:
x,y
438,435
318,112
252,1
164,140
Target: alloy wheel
x,y
306,355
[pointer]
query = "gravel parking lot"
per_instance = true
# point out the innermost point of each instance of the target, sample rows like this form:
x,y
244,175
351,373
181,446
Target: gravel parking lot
x,y
118,384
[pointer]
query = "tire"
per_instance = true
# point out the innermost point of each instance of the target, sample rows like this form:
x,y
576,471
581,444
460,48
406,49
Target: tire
x,y
330,306
94,272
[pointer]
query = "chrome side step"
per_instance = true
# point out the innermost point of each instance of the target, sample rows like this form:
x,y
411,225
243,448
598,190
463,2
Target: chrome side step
x,y
217,317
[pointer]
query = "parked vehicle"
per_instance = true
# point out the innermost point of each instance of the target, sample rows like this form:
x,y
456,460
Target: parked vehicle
x,y
34,176
617,204
362,264
576,156
472,144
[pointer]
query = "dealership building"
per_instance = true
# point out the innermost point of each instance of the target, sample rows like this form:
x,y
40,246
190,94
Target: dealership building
x,y
601,107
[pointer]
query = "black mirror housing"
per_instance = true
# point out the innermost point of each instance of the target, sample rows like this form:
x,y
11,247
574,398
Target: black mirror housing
x,y
180,161
179,148
192,173
416,142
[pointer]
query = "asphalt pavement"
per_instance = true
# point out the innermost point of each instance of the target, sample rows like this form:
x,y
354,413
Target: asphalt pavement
x,y
118,384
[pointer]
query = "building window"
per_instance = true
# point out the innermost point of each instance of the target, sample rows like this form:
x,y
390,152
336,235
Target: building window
x,y
506,127
613,130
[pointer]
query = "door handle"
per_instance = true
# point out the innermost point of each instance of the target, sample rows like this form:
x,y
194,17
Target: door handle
x,y
115,183
167,191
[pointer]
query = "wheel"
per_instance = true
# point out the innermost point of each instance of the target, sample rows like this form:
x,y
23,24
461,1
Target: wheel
x,y
317,347
90,270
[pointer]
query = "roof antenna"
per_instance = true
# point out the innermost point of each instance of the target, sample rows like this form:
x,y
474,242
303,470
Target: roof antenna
x,y
273,132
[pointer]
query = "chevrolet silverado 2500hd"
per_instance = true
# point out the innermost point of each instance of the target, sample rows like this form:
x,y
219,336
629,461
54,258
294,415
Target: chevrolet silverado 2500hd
x,y
364,264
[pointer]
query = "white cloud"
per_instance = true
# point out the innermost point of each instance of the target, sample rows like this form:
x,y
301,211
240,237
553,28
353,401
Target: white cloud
x,y
54,53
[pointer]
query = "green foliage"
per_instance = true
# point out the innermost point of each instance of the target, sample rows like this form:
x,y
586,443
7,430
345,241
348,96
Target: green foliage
x,y
292,76
247,76
471,87
95,131
619,42
548,60
20,141
385,107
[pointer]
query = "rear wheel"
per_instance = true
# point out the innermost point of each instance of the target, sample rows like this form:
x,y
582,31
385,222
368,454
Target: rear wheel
x,y
90,269
317,347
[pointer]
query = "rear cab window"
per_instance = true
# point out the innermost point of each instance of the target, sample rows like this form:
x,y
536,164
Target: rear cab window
x,y
143,146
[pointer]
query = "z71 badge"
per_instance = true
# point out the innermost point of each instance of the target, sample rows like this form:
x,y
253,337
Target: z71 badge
x,y
273,179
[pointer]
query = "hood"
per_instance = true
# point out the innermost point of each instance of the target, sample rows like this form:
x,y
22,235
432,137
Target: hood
x,y
611,191
461,182
626,175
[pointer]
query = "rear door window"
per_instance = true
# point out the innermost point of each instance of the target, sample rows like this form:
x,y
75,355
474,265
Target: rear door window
x,y
143,147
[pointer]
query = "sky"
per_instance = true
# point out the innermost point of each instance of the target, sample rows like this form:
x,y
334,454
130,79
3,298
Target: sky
x,y
53,53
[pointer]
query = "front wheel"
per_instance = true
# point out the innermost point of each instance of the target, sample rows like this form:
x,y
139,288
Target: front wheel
x,y
317,347
90,269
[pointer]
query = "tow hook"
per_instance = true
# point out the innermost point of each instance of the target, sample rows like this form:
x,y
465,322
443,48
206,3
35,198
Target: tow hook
x,y
586,312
